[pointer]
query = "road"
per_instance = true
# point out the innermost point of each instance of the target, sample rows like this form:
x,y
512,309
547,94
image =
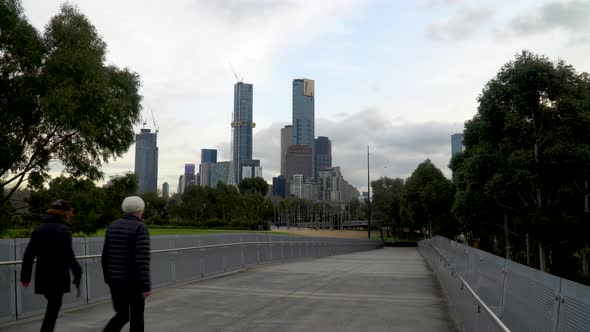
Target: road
x,y
390,289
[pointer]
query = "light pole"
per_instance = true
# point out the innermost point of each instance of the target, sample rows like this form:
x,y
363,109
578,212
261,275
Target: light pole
x,y
368,193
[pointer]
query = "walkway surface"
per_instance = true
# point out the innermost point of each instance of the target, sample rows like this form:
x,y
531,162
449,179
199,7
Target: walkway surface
x,y
390,289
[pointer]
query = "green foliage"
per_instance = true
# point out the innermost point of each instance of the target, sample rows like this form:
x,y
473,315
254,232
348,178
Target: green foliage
x,y
387,195
527,158
255,185
427,199
60,100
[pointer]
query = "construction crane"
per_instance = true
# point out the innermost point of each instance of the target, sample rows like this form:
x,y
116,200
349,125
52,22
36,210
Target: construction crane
x,y
156,128
234,72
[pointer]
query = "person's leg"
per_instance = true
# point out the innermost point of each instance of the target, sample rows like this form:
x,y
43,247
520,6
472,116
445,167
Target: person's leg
x,y
54,300
121,305
137,306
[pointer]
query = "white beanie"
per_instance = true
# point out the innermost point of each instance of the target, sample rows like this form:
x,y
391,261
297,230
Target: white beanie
x,y
133,204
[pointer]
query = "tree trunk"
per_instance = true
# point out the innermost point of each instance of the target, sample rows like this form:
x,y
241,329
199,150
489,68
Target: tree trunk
x,y
585,269
542,259
506,235
528,250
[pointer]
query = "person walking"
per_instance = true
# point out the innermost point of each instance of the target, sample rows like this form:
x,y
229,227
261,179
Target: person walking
x,y
126,266
51,245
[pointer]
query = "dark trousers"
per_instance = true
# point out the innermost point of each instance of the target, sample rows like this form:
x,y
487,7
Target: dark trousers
x,y
54,300
129,306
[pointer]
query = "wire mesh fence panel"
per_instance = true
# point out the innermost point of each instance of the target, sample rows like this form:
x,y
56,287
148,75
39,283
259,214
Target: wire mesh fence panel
x,y
8,281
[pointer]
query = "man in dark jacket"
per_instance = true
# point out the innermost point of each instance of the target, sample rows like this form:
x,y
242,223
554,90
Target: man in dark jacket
x,y
126,266
51,245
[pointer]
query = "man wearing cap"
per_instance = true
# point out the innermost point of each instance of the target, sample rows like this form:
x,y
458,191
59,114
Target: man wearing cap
x,y
51,245
126,266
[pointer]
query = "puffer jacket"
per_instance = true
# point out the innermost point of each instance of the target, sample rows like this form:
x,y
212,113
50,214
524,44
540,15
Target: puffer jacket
x,y
51,245
126,254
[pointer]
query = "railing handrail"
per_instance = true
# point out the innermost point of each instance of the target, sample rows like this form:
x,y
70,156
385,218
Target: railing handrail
x,y
83,257
496,319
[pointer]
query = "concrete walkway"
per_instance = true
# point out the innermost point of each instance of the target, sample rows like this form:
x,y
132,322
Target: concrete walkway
x,y
385,290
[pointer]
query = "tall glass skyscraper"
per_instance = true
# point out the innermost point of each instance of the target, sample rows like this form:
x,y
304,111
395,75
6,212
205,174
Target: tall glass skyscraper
x,y
242,125
322,154
303,111
456,144
146,161
208,156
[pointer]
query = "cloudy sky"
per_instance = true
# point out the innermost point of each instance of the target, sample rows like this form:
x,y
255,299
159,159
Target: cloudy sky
x,y
400,76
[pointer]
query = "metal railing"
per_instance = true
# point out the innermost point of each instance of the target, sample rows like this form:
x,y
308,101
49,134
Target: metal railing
x,y
513,296
174,259
464,284
6,263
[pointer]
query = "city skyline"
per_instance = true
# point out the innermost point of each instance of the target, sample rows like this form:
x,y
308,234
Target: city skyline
x,y
403,94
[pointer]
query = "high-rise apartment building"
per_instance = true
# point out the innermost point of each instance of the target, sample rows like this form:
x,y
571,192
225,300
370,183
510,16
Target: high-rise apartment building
x,y
165,190
242,125
332,186
286,141
303,111
146,161
456,144
322,154
303,187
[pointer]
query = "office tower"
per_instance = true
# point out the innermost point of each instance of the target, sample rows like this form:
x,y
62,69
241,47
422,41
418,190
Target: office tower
x,y
456,144
208,156
242,125
205,174
286,141
298,161
322,154
180,185
303,111
165,190
146,161
189,175
279,186
251,169
220,172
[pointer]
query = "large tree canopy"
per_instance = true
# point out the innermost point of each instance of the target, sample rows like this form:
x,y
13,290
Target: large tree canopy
x,y
59,100
527,153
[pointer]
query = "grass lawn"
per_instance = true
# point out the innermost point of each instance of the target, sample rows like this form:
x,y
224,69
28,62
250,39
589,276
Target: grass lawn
x,y
189,231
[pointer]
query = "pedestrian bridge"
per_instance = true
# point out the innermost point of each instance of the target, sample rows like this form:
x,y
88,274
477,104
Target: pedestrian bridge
x,y
378,290
269,283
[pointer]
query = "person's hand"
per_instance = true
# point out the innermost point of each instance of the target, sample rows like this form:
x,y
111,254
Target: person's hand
x,y
25,284
144,295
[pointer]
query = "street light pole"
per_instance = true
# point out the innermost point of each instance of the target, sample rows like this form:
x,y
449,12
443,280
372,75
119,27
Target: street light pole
x,y
368,193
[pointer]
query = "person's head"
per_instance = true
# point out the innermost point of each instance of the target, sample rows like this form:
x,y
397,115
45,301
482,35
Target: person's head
x,y
133,205
61,209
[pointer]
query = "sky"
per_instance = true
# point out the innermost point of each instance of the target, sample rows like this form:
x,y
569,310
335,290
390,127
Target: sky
x,y
398,76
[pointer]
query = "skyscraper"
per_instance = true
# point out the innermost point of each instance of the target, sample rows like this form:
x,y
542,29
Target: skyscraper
x,y
303,111
322,154
220,172
165,190
189,175
456,144
242,125
286,141
208,156
297,161
146,161
278,186
180,185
